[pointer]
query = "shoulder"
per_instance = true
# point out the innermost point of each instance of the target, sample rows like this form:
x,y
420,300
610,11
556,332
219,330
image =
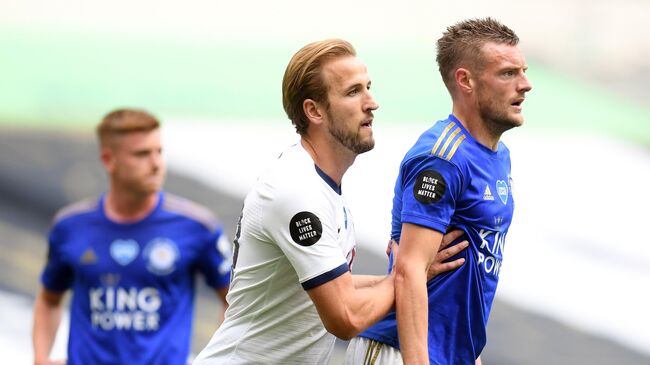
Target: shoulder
x,y
451,142
76,209
436,160
293,176
439,147
186,208
442,140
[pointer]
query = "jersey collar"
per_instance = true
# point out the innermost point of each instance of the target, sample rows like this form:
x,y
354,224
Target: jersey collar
x,y
328,180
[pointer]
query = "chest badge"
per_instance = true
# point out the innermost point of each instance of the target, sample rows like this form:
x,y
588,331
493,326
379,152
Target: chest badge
x,y
161,255
502,190
124,251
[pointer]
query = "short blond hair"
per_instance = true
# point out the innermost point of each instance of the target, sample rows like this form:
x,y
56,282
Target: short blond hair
x,y
124,121
303,77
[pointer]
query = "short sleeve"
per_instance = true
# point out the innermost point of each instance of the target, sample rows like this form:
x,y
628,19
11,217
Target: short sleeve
x,y
303,225
431,187
214,260
57,275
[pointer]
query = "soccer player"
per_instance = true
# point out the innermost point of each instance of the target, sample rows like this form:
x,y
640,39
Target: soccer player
x,y
130,258
456,175
295,242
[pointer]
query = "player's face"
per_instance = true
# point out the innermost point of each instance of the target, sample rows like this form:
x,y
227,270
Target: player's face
x,y
137,163
502,86
349,115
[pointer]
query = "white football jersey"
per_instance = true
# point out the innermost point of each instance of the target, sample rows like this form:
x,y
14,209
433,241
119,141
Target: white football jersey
x,y
295,233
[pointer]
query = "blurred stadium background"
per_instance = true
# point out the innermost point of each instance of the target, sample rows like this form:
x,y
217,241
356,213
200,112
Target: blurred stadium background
x,y
574,285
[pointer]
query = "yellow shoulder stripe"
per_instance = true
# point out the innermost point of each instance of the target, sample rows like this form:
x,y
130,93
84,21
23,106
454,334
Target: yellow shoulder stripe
x,y
447,139
455,147
442,137
447,142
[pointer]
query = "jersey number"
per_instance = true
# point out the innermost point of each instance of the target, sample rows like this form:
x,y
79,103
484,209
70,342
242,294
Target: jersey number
x,y
236,244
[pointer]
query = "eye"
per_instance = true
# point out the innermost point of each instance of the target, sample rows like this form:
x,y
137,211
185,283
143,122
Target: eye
x,y
353,92
509,73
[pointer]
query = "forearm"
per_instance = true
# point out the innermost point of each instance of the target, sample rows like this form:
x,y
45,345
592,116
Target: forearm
x,y
412,315
47,317
362,281
374,300
221,294
346,311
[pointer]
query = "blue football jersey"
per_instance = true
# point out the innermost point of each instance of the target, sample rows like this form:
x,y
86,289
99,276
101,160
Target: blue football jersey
x,y
133,284
449,180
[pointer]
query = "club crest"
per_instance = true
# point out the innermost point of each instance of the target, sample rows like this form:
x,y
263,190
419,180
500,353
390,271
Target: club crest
x,y
161,255
124,251
502,190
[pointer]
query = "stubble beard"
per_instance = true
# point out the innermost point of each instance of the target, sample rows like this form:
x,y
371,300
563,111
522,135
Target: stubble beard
x,y
497,119
145,186
349,139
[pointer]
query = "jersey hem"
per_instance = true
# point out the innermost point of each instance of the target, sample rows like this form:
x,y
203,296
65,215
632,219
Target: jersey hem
x,y
379,338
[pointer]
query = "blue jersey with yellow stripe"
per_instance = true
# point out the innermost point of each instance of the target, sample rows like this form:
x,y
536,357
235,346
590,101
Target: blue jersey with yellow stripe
x,y
449,180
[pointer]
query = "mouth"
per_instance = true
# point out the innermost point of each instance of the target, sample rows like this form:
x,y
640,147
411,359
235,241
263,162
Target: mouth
x,y
367,123
517,103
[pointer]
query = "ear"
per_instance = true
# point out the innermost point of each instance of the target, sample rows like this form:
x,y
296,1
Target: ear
x,y
312,110
108,158
464,80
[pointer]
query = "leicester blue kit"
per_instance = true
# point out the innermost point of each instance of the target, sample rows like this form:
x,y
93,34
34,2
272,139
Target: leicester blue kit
x,y
133,284
449,180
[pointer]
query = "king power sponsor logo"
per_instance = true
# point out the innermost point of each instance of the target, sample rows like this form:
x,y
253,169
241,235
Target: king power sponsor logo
x,y
491,251
127,309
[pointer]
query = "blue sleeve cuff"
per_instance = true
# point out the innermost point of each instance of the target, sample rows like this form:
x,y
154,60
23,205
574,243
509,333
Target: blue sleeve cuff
x,y
425,222
325,277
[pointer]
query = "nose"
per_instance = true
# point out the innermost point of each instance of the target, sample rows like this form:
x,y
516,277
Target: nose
x,y
524,84
156,160
370,103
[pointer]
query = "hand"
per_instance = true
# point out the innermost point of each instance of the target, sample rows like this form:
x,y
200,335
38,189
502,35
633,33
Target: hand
x,y
393,247
439,266
50,362
389,248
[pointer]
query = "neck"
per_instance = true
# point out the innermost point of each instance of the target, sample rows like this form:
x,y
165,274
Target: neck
x,y
127,207
481,130
333,161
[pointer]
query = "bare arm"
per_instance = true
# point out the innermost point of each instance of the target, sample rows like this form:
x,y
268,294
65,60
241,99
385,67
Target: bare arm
x,y
48,308
346,310
221,294
349,304
438,266
362,281
418,248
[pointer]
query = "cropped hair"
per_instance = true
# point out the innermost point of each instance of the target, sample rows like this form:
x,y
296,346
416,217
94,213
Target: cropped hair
x,y
461,45
124,121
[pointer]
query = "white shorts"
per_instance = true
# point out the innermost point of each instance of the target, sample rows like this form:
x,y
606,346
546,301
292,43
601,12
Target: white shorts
x,y
364,351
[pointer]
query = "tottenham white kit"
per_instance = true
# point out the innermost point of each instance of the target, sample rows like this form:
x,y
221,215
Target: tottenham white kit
x,y
295,233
